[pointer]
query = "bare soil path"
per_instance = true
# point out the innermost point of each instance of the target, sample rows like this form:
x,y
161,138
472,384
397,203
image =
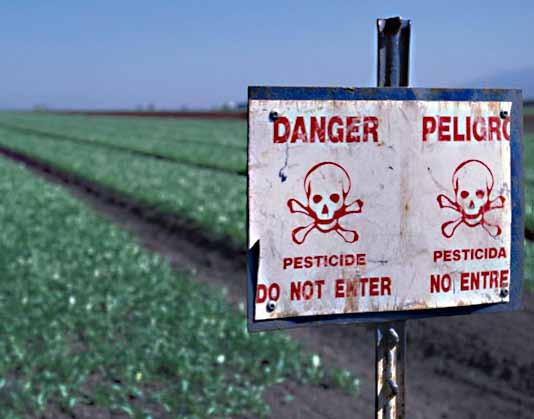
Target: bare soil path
x,y
480,366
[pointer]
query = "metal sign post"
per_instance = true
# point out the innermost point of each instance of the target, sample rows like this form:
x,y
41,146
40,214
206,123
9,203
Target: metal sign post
x,y
392,71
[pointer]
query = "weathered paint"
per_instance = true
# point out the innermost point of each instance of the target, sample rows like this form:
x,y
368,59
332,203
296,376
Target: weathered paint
x,y
402,205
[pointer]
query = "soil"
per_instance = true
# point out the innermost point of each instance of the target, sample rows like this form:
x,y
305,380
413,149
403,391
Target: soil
x,y
478,366
528,123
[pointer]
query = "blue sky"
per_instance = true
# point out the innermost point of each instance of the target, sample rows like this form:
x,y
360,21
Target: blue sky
x,y
120,54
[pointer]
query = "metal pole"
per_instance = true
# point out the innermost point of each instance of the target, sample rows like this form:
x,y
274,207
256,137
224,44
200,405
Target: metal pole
x,y
393,52
392,71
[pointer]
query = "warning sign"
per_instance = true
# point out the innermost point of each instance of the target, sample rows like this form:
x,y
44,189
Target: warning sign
x,y
380,201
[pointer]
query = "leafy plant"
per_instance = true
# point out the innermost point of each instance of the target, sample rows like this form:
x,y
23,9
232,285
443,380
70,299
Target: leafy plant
x,y
91,320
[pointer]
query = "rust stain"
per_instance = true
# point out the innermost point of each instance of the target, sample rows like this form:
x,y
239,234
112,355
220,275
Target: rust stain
x,y
351,303
495,107
286,313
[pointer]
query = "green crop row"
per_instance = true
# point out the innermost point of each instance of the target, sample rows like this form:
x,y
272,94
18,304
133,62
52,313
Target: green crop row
x,y
212,200
529,265
92,321
529,181
216,144
528,150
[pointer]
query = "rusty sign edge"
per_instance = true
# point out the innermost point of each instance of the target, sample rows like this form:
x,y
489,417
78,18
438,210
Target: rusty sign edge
x,y
404,94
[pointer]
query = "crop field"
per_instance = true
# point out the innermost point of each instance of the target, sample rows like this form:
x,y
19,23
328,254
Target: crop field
x,y
529,180
99,323
90,320
219,145
213,199
529,206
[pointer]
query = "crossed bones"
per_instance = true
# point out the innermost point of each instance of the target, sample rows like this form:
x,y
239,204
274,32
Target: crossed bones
x,y
299,234
448,228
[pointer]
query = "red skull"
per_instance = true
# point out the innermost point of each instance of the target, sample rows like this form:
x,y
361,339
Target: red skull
x,y
327,186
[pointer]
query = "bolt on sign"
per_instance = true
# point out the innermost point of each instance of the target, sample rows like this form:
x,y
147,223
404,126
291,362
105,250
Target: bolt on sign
x,y
382,204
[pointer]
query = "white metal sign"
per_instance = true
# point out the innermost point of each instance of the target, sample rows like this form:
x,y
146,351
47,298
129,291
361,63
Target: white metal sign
x,y
378,205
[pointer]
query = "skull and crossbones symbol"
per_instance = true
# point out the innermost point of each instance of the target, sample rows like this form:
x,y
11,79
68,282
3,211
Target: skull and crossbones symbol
x,y
472,182
327,186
